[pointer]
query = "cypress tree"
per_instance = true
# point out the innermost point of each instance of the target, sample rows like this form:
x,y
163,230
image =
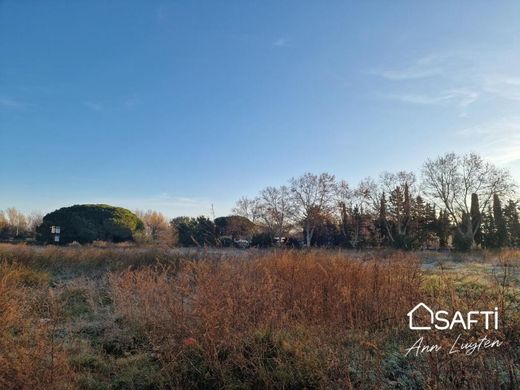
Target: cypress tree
x,y
382,222
443,228
502,237
513,222
476,219
488,229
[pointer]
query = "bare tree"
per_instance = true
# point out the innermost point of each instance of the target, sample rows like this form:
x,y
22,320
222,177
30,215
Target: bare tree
x,y
3,220
451,180
275,210
313,195
34,220
368,194
248,208
17,220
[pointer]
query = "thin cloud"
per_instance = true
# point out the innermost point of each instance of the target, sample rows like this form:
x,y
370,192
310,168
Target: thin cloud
x,y
281,42
461,98
168,204
9,103
424,67
504,86
498,140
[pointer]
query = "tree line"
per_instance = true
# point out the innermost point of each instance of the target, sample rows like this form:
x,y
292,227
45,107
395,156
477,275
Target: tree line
x,y
15,225
459,201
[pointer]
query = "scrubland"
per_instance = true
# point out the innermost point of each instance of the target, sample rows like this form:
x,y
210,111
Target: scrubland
x,y
152,318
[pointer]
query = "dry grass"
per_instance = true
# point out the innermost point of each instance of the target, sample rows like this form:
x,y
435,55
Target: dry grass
x,y
31,355
134,318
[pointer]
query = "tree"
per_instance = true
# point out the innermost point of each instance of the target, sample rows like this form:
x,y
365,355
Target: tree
x,y
396,225
234,226
450,181
276,210
327,232
501,236
420,222
488,229
476,219
443,228
513,222
186,230
90,222
4,224
311,196
200,231
17,221
248,208
206,232
382,226
157,228
34,220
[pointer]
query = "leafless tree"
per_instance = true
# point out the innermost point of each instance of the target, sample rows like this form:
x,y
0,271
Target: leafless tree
x,y
312,195
3,221
248,208
34,220
17,221
450,180
275,210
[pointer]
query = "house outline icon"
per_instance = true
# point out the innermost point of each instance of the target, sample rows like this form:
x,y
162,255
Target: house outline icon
x,y
411,315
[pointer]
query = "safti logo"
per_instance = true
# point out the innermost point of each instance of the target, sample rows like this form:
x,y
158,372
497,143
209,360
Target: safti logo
x,y
442,320
422,317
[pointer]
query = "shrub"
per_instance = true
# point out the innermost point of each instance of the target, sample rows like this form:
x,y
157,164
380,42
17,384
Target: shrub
x,y
462,242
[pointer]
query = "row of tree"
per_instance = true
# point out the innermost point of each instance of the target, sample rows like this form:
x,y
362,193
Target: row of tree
x,y
457,202
16,225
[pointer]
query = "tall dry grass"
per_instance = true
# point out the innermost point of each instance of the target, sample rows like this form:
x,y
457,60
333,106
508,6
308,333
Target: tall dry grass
x,y
231,316
31,355
151,318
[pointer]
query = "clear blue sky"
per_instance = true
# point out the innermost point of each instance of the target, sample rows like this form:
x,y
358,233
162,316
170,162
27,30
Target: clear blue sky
x,y
177,105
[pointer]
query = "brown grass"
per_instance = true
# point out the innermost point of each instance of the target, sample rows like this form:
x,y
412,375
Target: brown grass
x,y
231,316
31,356
134,318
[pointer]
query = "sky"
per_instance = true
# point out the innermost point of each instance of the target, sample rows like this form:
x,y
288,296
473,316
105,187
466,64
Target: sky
x,y
181,106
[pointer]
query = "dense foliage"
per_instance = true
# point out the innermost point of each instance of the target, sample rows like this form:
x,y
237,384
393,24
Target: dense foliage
x,y
87,223
234,226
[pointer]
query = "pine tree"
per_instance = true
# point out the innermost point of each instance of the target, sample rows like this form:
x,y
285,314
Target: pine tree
x,y
502,237
344,228
382,222
488,229
419,220
513,222
443,228
476,219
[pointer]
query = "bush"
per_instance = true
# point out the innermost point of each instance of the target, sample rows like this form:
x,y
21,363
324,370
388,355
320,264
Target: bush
x,y
262,240
462,242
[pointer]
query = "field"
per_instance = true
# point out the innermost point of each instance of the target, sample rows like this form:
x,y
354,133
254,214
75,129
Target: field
x,y
152,318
